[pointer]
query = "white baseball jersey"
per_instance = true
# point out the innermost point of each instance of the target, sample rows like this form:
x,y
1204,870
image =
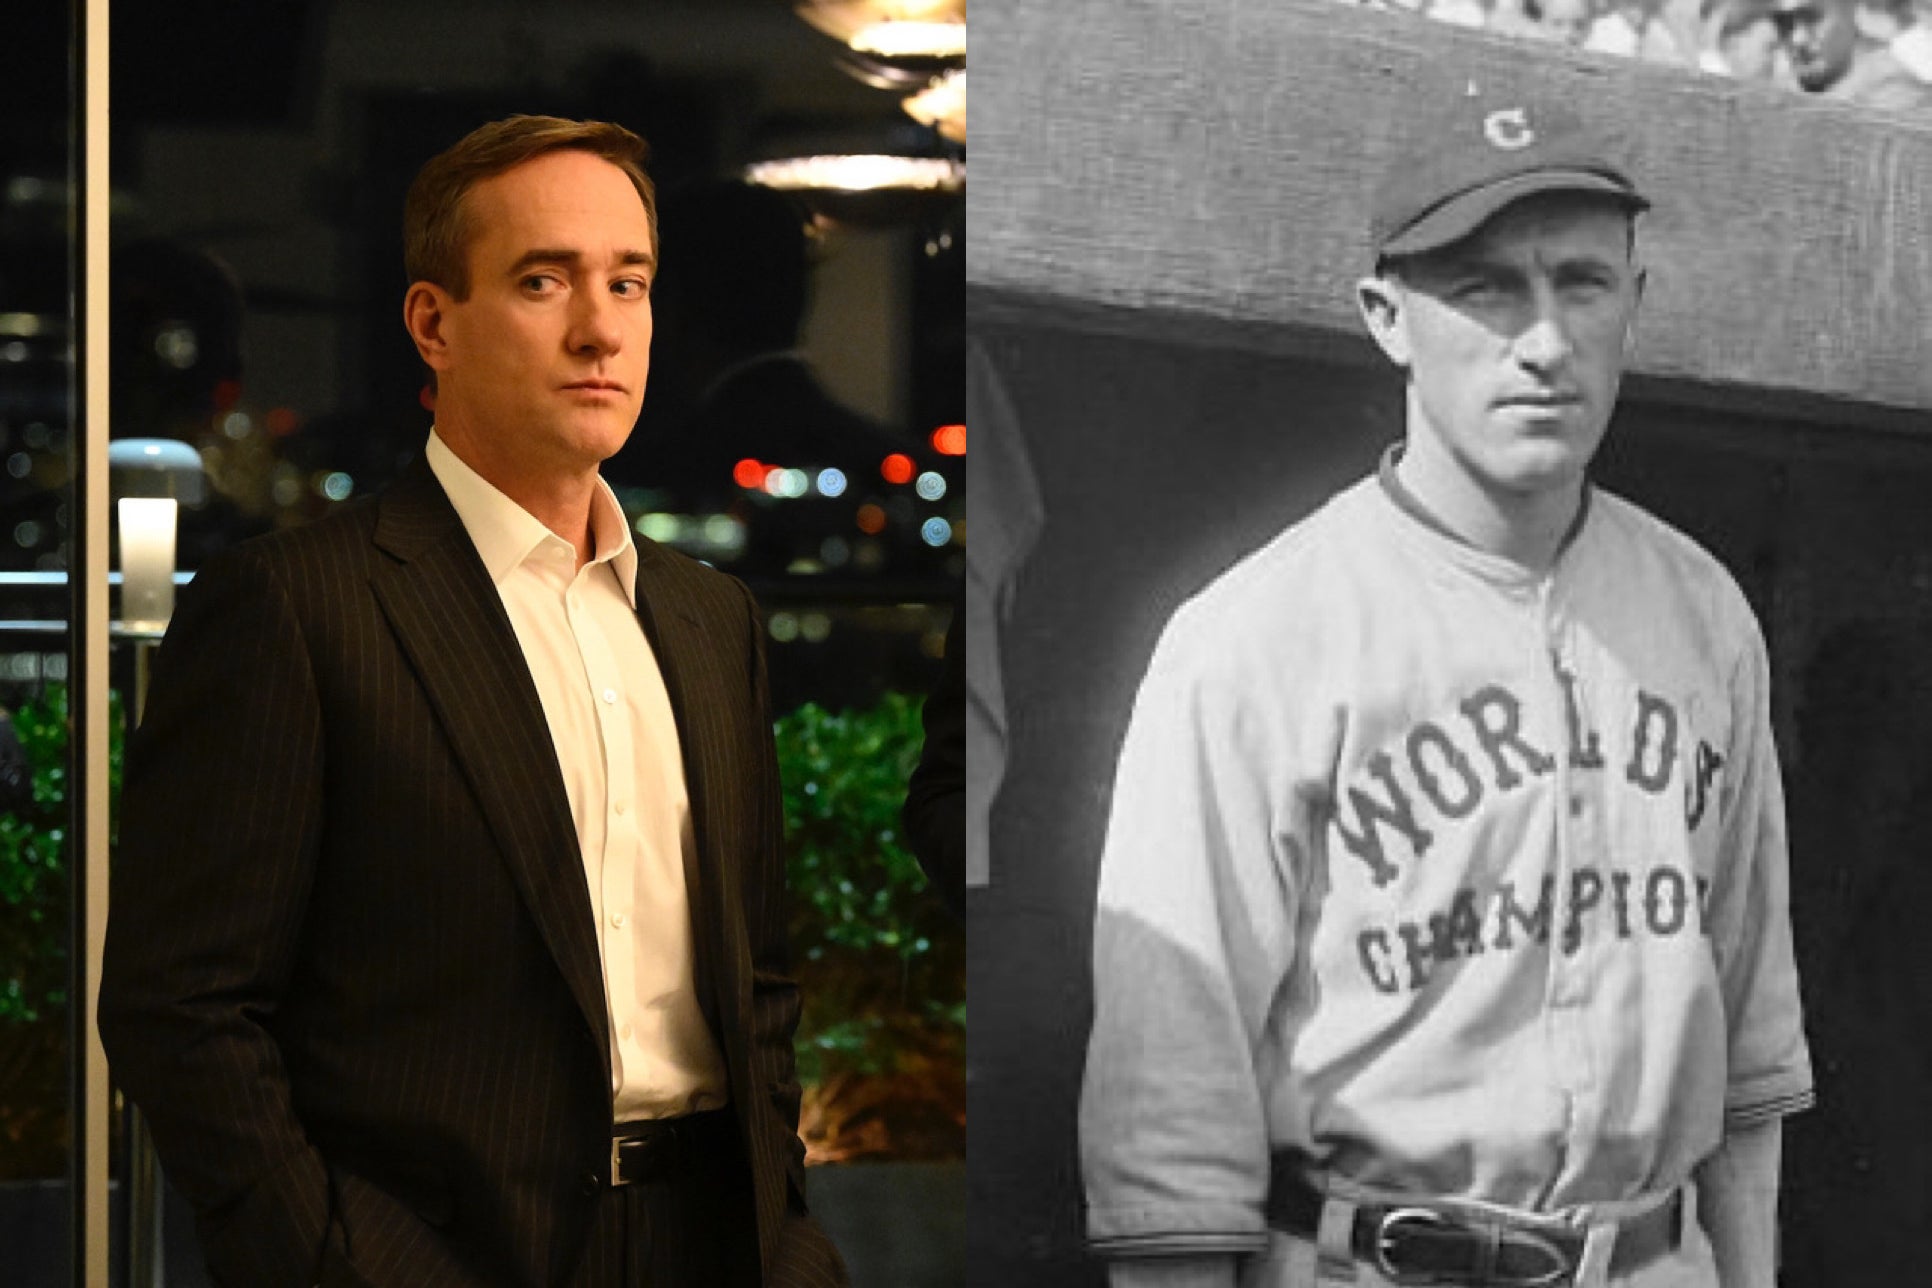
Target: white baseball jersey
x,y
1460,880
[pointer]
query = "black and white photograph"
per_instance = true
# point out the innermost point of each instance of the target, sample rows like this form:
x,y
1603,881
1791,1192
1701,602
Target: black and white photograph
x,y
1448,594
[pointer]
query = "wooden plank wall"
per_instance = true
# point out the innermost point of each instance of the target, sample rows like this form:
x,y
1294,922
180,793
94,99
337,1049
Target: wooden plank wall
x,y
1200,170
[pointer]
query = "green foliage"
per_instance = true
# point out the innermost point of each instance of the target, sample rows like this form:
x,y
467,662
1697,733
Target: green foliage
x,y
34,885
35,902
880,958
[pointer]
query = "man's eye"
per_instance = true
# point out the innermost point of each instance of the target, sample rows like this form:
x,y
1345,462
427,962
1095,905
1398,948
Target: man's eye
x,y
540,282
1587,284
1476,288
631,287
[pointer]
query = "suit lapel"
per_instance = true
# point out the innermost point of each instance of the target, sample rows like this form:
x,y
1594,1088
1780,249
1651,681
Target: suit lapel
x,y
451,625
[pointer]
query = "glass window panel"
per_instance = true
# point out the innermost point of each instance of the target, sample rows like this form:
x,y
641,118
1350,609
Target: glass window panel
x,y
37,328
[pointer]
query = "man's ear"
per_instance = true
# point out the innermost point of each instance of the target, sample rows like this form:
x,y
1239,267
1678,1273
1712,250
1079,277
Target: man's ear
x,y
425,315
1382,306
1636,308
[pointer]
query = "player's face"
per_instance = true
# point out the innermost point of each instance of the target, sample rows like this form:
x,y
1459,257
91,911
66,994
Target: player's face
x,y
1567,20
543,366
1514,340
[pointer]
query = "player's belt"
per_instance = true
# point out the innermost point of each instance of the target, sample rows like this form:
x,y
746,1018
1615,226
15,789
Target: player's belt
x,y
1424,1243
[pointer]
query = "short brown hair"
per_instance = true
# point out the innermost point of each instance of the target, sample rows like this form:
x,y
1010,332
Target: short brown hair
x,y
436,233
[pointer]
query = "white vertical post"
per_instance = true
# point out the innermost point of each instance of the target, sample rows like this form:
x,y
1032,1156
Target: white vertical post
x,y
91,511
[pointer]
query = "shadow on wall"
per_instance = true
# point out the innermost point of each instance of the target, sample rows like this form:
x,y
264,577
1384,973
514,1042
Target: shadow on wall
x,y
1159,465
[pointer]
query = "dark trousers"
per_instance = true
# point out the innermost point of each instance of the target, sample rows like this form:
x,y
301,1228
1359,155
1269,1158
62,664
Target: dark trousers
x,y
689,1224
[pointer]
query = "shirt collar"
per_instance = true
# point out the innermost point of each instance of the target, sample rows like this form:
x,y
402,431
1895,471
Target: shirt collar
x,y
505,534
1410,504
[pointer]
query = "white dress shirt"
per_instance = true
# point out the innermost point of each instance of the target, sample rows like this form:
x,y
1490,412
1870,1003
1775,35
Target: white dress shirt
x,y
617,744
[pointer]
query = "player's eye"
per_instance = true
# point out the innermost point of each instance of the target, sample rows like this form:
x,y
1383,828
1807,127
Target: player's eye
x,y
1586,282
1478,288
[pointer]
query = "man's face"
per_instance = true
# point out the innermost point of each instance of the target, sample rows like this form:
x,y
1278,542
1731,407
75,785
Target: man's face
x,y
1819,37
1514,339
1751,51
545,362
1567,20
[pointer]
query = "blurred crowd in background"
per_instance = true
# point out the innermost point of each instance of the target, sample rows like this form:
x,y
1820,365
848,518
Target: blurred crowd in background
x,y
1877,53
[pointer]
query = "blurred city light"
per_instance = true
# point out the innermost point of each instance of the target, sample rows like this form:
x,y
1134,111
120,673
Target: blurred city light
x,y
897,468
660,527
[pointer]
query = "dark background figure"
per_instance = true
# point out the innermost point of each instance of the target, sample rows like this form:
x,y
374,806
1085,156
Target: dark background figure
x,y
730,385
1830,57
935,813
1859,1172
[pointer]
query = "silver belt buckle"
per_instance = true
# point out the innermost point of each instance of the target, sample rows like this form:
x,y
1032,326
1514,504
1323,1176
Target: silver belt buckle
x,y
616,1166
1385,1233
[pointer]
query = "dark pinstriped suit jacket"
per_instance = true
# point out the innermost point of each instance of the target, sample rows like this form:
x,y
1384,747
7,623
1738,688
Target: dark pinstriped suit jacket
x,y
351,974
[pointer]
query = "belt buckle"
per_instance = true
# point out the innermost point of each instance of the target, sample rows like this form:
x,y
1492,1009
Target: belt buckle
x,y
1561,1267
616,1164
1388,1230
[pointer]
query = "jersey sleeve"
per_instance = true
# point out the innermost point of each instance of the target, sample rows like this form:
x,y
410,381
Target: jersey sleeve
x,y
1193,931
1770,1066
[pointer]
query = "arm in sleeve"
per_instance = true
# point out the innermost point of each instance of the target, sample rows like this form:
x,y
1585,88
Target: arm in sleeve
x,y
220,831
1737,1201
1770,1066
218,842
1192,934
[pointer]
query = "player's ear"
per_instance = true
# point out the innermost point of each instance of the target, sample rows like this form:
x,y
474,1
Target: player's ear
x,y
1380,299
425,315
1630,319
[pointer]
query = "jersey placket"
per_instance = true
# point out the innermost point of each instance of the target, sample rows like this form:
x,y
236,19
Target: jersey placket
x,y
1567,984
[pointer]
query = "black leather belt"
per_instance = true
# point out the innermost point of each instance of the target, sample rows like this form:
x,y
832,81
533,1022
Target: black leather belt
x,y
652,1149
1423,1243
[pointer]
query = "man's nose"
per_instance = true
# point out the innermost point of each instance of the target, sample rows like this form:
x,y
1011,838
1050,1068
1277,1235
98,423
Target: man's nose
x,y
1545,343
593,323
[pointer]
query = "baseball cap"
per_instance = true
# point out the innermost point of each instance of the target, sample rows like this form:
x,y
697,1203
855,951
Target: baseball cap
x,y
1482,153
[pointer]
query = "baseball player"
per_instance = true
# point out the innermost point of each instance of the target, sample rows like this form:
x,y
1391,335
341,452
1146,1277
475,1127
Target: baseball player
x,y
1442,930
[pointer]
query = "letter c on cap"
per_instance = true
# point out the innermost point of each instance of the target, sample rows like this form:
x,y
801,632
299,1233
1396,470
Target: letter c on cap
x,y
1509,129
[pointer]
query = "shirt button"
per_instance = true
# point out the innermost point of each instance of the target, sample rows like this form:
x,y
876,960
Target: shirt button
x,y
623,807
592,1183
610,695
617,919
625,1032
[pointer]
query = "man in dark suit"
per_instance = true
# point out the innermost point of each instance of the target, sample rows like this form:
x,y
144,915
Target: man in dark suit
x,y
448,930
